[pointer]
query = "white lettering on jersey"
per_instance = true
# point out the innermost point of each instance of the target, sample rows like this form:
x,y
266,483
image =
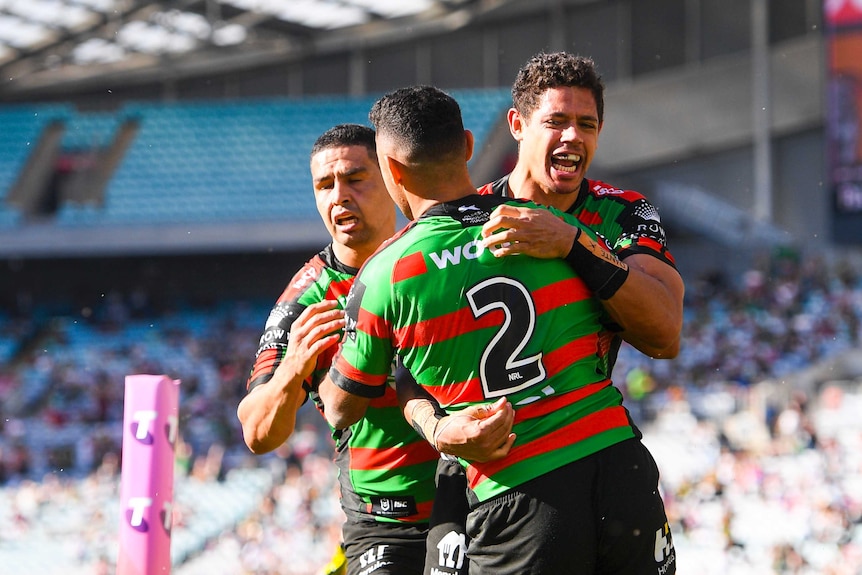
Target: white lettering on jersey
x,y
470,251
602,190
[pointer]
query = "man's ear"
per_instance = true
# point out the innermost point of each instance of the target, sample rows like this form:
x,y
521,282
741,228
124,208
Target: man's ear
x,y
396,168
468,135
516,123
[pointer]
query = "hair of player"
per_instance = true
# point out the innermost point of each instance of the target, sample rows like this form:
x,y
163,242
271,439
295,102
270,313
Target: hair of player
x,y
346,135
555,70
423,121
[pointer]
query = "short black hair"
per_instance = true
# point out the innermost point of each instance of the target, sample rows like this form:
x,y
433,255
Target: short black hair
x,y
346,135
555,70
425,122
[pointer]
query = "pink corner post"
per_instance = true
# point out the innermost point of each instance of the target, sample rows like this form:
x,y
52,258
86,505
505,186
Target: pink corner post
x,y
150,420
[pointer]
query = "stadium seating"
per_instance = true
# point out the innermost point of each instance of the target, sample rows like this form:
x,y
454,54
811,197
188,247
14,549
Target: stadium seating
x,y
80,521
697,411
22,127
206,162
92,130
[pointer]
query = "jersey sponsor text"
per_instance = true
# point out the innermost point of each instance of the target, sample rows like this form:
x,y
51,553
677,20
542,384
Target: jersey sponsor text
x,y
469,251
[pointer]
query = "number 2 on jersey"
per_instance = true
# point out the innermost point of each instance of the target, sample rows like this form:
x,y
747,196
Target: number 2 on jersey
x,y
501,371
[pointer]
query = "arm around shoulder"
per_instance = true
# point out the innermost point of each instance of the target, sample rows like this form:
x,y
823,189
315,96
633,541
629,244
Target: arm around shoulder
x,y
649,306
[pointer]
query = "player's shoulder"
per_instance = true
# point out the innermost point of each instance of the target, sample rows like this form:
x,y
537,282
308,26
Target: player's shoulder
x,y
486,190
465,212
377,268
305,277
485,203
497,188
600,189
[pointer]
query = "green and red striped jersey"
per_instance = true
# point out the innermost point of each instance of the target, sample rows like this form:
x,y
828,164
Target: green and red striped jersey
x,y
471,327
386,471
625,218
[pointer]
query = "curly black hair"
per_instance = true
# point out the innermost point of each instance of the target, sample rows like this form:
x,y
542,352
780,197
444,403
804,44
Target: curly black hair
x,y
553,70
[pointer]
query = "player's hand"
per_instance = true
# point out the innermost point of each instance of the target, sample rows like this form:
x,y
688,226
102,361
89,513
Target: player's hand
x,y
534,232
478,433
316,329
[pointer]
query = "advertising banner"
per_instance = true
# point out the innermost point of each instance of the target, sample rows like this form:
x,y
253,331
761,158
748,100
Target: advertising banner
x,y
843,20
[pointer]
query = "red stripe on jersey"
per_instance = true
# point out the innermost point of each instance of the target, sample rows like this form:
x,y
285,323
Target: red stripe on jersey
x,y
650,243
372,324
423,509
339,289
445,327
389,399
571,353
367,458
302,279
344,368
469,391
590,218
264,363
559,294
461,321
588,426
324,360
408,267
654,246
541,408
606,340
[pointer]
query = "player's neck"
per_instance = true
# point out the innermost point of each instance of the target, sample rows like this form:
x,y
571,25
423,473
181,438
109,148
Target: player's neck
x,y
522,186
442,190
352,257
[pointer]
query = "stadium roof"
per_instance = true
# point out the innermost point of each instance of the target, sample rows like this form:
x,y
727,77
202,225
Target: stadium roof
x,y
47,46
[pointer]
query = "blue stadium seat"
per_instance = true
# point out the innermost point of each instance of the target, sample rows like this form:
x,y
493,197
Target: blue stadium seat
x,y
89,130
22,126
219,161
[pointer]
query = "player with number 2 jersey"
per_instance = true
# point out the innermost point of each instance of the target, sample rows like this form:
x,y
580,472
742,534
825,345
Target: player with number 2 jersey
x,y
538,326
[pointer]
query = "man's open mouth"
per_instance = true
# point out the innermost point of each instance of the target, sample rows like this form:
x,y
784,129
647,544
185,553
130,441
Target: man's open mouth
x,y
566,162
345,219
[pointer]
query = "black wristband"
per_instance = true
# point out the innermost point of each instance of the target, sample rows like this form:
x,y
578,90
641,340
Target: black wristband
x,y
598,266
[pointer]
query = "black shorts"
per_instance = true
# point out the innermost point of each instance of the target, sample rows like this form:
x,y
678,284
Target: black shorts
x,y
601,515
447,540
377,548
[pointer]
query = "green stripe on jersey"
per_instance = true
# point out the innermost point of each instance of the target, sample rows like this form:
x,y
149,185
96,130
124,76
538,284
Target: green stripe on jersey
x,y
382,429
472,327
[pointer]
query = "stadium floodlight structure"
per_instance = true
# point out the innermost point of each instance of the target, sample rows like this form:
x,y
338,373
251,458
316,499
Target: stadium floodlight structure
x,y
48,45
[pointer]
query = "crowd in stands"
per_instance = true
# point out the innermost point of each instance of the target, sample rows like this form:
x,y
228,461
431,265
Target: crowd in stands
x,y
760,474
